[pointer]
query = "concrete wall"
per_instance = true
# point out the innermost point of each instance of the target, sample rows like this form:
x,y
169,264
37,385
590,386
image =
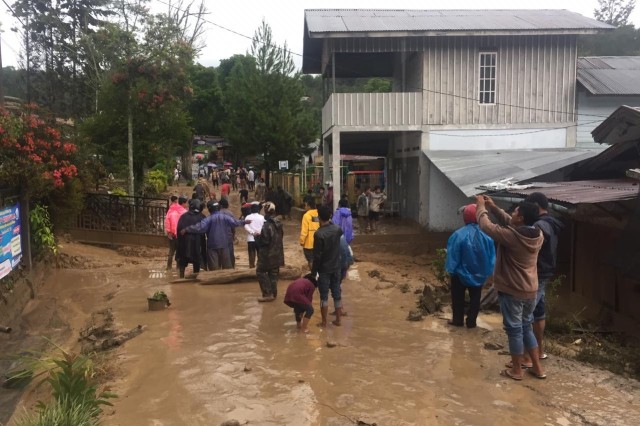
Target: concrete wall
x,y
597,108
492,139
444,200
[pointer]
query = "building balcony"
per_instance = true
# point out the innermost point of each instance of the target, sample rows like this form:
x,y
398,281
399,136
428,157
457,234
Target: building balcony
x,y
373,111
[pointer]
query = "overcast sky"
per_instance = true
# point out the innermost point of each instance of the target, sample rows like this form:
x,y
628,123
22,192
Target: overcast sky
x,y
286,20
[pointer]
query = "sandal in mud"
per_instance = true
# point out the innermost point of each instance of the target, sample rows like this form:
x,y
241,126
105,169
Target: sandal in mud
x,y
509,374
524,366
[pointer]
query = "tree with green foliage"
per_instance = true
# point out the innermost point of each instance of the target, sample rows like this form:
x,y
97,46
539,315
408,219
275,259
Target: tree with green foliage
x,y
143,99
266,115
614,12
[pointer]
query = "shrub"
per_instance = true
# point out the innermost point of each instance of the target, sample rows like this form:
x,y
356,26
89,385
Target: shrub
x,y
438,267
44,241
119,191
156,182
76,400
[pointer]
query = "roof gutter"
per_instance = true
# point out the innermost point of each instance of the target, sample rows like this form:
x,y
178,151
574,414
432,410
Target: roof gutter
x,y
557,207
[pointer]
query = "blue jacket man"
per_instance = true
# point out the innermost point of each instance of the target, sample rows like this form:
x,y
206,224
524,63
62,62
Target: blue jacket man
x,y
217,226
471,257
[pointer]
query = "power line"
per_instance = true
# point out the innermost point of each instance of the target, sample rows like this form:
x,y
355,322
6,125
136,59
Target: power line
x,y
418,88
548,129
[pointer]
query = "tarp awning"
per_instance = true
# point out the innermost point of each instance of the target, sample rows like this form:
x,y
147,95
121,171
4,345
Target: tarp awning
x,y
471,169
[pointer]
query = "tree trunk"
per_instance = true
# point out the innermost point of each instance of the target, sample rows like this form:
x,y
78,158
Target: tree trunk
x,y
130,146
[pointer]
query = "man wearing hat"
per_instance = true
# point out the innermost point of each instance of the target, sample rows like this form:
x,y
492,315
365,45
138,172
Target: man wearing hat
x,y
471,257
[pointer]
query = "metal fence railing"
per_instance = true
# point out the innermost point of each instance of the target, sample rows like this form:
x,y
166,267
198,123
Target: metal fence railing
x,y
106,212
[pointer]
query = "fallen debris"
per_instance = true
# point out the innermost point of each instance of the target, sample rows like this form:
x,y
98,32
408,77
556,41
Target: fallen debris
x,y
415,315
492,346
5,329
227,276
120,338
331,344
247,369
230,423
429,301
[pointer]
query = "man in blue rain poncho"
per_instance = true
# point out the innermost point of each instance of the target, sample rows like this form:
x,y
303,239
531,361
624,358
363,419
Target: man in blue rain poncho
x,y
471,256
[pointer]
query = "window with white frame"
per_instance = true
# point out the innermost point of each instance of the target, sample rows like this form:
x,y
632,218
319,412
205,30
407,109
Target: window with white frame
x,y
487,92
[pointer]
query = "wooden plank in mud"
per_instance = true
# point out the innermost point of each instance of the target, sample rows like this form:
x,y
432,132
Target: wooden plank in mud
x,y
229,276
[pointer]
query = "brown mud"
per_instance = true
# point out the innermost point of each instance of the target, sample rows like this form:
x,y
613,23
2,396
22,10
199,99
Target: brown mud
x,y
217,354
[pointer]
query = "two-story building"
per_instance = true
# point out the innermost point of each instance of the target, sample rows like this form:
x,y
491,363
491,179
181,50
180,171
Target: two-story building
x,y
478,96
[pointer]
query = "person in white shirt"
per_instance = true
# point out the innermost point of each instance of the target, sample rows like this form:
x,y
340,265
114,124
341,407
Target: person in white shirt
x,y
251,178
257,220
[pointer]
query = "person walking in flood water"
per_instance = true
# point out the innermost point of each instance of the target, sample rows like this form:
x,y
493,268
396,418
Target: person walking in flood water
x,y
326,264
218,226
188,246
342,218
376,201
299,296
270,253
515,278
471,256
310,224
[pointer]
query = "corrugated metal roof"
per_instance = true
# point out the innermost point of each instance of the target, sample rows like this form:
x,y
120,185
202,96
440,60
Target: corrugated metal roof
x,y
470,169
585,191
376,20
610,75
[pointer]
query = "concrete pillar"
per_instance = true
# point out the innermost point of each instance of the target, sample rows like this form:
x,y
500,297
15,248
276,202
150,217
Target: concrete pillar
x,y
424,181
326,159
335,163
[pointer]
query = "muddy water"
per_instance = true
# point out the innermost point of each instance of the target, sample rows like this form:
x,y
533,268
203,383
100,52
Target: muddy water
x,y
189,366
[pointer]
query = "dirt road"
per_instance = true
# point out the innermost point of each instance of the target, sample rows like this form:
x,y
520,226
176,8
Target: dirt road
x,y
217,354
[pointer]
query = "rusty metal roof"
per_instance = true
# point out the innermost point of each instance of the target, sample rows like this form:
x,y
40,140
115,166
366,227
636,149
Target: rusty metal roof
x,y
380,20
610,75
584,191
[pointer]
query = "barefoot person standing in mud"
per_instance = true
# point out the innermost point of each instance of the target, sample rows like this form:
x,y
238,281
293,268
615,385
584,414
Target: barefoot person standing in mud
x,y
515,278
270,254
326,264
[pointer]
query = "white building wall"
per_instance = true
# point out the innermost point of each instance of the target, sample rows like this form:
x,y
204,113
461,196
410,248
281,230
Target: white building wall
x,y
593,110
492,139
445,198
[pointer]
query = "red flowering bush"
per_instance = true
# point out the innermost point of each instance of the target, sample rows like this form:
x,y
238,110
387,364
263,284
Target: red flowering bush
x,y
34,156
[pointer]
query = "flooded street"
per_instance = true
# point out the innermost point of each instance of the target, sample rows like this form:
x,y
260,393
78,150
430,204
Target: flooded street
x,y
216,354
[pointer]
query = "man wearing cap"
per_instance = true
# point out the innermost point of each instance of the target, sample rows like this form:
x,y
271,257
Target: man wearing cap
x,y
176,209
270,253
471,256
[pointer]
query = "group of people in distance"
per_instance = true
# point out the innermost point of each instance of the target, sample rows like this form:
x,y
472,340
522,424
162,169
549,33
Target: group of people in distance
x,y
520,251
207,242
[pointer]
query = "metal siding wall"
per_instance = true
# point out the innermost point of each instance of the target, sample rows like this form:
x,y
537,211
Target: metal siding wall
x,y
535,80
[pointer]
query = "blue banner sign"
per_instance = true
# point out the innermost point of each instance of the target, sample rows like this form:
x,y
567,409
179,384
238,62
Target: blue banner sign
x,y
10,239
